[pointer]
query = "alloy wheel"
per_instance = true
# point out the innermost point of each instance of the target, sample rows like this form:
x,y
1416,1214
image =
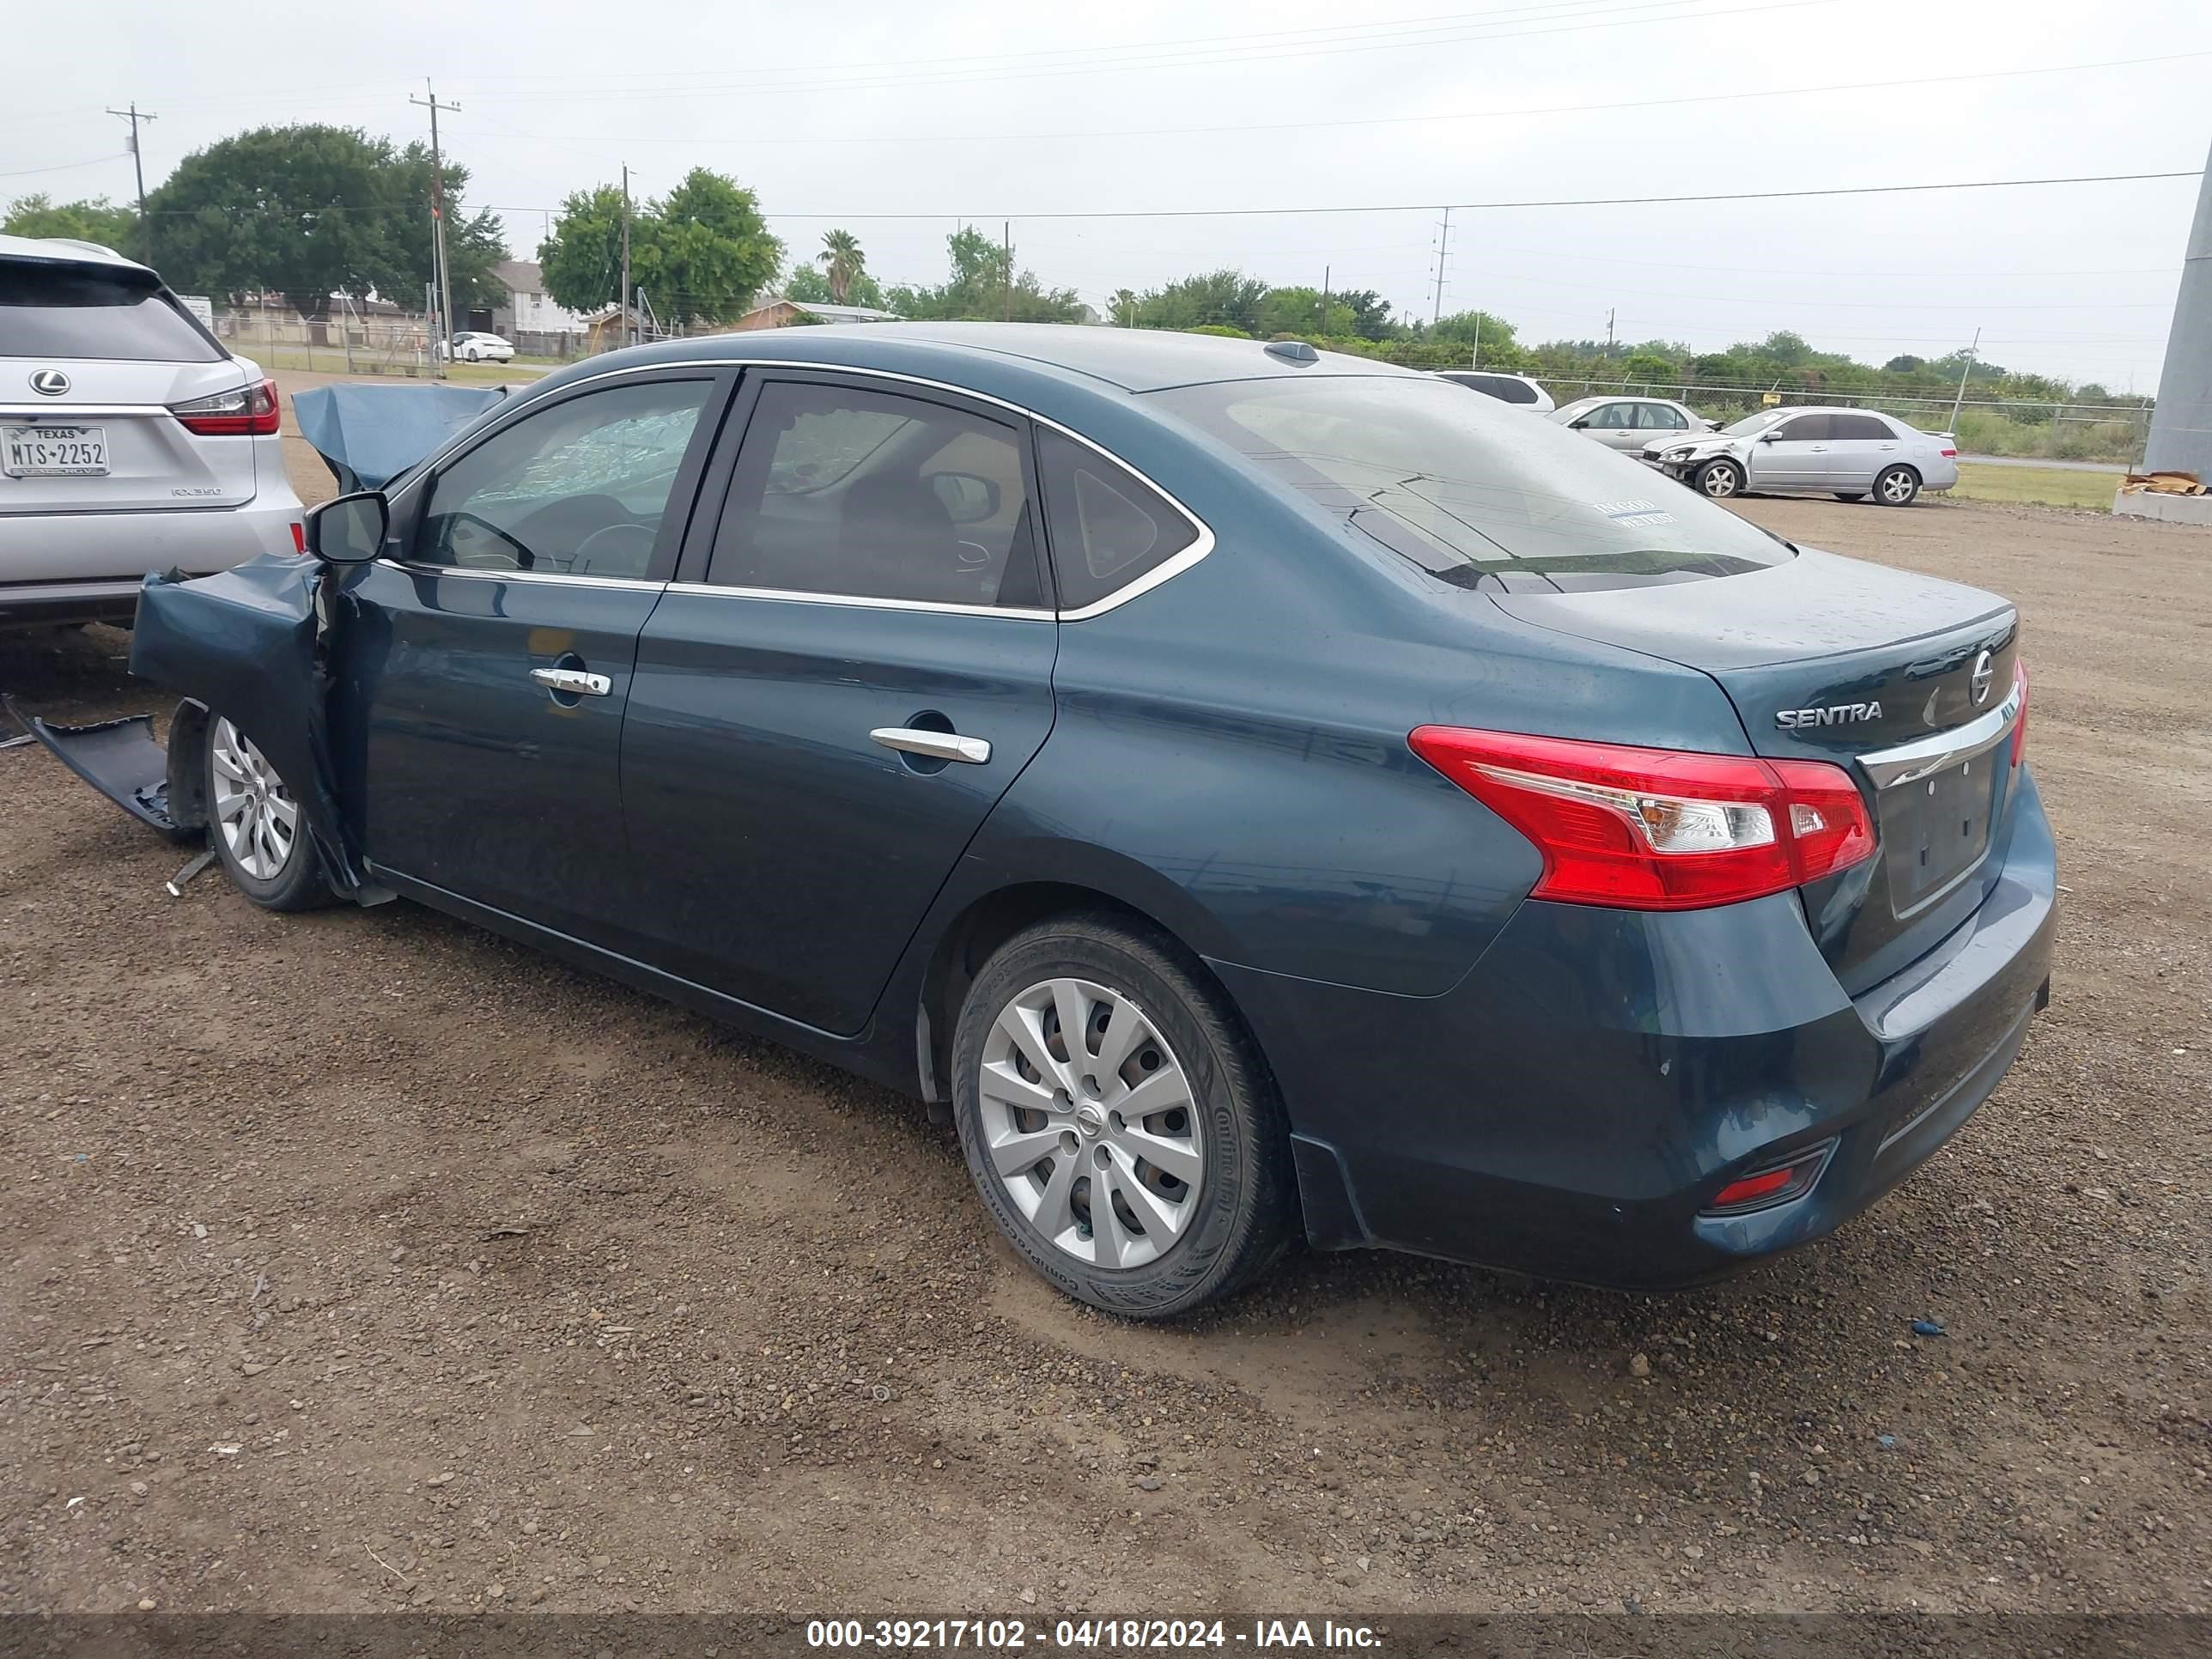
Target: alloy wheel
x,y
1089,1120
1897,487
1719,482
254,812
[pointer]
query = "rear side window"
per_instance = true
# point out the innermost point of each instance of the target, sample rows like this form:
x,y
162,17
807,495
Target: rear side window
x,y
1862,427
61,310
1659,417
1108,527
1504,387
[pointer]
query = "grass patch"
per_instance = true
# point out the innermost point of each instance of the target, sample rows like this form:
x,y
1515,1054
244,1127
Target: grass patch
x,y
2041,486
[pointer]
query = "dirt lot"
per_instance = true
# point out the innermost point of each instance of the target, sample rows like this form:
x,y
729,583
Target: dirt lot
x,y
362,1260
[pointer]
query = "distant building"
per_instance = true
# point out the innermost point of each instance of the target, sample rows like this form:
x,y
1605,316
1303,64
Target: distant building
x,y
529,309
782,313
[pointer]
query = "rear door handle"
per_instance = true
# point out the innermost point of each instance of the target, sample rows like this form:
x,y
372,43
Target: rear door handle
x,y
936,745
575,681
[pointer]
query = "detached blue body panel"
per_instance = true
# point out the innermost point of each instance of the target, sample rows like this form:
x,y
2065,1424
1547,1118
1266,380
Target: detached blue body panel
x,y
369,435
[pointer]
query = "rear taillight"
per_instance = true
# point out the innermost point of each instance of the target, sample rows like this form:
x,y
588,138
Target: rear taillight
x,y
1658,829
250,411
1948,455
2020,720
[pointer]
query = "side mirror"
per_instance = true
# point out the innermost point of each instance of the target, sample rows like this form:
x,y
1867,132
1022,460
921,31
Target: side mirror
x,y
968,499
1579,424
1769,437
349,530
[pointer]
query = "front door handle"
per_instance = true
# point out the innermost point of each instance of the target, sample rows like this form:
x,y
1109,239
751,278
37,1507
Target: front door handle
x,y
575,681
936,745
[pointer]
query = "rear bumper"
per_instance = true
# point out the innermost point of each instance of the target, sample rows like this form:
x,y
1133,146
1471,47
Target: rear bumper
x,y
87,567
1571,1107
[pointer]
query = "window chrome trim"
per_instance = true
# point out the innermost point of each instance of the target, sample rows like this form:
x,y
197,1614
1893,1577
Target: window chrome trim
x,y
1924,757
861,601
1167,570
412,567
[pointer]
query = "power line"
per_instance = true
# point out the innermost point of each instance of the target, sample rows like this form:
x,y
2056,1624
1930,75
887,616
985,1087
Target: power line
x,y
61,167
1554,201
906,137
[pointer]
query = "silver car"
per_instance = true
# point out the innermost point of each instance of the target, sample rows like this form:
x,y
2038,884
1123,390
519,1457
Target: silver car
x,y
129,439
1849,453
1630,424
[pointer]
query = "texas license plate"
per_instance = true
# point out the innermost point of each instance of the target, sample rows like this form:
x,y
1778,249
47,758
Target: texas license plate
x,y
54,451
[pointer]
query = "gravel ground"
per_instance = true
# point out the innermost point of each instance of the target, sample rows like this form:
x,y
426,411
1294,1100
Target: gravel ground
x,y
362,1260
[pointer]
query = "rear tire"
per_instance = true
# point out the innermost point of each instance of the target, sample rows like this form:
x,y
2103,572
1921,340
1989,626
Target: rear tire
x,y
1184,1201
256,827
1897,486
1718,480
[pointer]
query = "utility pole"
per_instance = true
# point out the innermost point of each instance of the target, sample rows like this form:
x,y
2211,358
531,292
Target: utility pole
x,y
438,225
629,316
1959,402
135,115
1609,316
1476,362
1006,253
1443,252
1326,272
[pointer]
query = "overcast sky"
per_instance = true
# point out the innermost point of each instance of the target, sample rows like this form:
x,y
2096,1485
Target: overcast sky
x,y
986,110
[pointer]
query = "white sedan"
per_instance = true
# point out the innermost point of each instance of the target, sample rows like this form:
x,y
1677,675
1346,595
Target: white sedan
x,y
470,347
1630,424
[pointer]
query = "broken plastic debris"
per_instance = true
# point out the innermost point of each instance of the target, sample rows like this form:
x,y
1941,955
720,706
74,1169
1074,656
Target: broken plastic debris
x,y
1927,1328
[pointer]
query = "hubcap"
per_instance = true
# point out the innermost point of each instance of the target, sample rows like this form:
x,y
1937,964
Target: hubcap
x,y
255,814
1088,1119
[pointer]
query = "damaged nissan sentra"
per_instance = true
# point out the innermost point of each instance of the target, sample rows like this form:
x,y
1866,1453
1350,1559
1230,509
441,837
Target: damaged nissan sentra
x,y
1259,794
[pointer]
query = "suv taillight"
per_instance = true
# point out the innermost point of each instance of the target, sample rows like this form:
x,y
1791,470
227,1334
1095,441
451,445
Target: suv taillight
x,y
250,411
1658,829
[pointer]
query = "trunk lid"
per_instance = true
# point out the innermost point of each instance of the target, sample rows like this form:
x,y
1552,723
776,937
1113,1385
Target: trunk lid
x,y
1894,675
152,462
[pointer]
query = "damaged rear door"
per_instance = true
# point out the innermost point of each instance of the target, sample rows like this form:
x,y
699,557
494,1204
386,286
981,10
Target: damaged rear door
x,y
487,667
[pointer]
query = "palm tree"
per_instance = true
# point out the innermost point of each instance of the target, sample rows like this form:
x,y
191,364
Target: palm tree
x,y
841,254
1124,305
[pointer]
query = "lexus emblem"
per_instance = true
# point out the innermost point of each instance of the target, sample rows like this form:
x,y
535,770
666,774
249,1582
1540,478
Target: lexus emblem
x,y
1984,677
49,382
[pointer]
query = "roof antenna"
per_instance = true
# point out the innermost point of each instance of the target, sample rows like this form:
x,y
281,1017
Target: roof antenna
x,y
1293,351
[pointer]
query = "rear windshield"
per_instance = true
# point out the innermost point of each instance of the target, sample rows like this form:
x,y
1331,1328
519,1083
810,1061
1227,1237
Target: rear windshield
x,y
1467,489
1504,387
49,310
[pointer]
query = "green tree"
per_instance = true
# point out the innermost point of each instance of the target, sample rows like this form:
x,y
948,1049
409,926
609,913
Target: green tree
x,y
701,253
95,221
841,262
1226,297
984,284
1647,367
311,211
1124,306
716,250
582,258
807,285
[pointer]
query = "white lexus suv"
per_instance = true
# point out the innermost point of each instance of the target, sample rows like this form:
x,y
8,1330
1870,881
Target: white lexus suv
x,y
131,441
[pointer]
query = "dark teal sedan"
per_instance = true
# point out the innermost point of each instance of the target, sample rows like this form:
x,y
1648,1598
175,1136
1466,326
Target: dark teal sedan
x,y
1261,795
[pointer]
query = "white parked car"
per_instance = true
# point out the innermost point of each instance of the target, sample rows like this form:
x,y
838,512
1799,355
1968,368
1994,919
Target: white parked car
x,y
1629,424
470,347
1515,389
1849,453
130,439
